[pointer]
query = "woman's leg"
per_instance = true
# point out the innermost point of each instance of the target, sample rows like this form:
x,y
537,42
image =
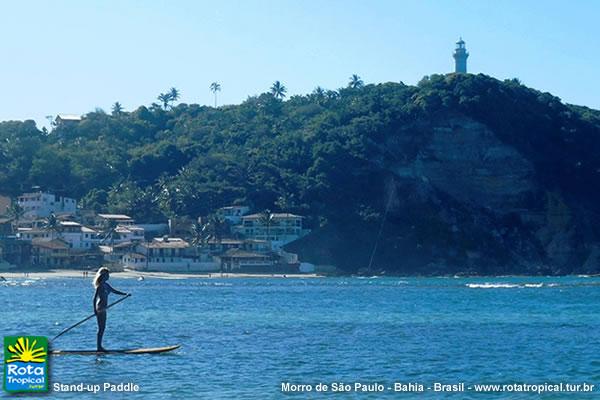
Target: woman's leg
x,y
101,317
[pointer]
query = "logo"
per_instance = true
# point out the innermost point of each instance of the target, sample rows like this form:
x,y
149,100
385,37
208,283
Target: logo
x,y
25,364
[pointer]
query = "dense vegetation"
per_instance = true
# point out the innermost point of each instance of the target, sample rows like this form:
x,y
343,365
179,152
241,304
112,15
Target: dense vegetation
x,y
318,155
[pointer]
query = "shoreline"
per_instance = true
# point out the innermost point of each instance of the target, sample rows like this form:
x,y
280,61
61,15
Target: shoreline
x,y
131,274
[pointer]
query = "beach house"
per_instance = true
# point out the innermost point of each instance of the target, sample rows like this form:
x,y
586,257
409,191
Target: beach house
x,y
41,205
77,236
277,228
66,119
238,260
170,255
113,219
53,252
233,214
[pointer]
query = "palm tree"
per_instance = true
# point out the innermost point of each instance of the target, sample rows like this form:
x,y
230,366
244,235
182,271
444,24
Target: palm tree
x,y
355,82
278,90
214,229
266,220
198,235
215,87
217,228
52,224
117,109
110,231
165,99
332,94
318,94
174,94
16,212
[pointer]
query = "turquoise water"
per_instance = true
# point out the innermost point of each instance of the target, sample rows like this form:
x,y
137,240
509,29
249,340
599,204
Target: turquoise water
x,y
242,338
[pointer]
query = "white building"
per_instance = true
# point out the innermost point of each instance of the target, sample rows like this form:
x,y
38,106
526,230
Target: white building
x,y
236,260
233,214
130,233
169,255
67,119
279,228
29,234
117,219
41,205
73,234
79,237
114,254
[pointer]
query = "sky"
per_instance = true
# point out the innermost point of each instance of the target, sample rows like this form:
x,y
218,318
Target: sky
x,y
70,57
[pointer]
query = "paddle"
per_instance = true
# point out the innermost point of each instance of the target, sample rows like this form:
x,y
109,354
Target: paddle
x,y
87,318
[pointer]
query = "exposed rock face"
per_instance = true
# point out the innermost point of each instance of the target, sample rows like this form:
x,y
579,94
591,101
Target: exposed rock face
x,y
464,201
464,159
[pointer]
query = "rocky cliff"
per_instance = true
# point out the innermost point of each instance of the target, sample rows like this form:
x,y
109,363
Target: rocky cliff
x,y
478,194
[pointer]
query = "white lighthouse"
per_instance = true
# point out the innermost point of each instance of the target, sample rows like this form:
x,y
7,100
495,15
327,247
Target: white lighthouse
x,y
460,57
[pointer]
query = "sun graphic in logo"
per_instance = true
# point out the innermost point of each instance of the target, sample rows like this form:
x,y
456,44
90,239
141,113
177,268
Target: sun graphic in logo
x,y
25,351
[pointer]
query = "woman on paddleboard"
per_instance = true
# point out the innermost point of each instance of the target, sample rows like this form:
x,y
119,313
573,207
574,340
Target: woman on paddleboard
x,y
103,289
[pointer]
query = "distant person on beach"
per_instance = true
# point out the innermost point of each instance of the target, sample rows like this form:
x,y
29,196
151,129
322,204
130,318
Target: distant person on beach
x,y
103,289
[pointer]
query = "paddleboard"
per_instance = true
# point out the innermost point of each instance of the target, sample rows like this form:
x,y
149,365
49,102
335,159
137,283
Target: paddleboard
x,y
154,350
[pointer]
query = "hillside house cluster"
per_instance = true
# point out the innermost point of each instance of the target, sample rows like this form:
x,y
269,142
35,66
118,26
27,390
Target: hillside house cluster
x,y
51,231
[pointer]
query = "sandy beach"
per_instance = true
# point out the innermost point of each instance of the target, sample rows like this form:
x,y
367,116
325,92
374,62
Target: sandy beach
x,y
130,274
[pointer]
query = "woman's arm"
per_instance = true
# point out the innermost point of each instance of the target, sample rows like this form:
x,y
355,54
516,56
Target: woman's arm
x,y
95,300
112,289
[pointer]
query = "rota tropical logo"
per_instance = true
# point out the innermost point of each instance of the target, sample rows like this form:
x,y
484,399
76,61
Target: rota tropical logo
x,y
25,364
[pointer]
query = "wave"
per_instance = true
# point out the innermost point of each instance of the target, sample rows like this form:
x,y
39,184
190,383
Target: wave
x,y
18,282
534,285
489,285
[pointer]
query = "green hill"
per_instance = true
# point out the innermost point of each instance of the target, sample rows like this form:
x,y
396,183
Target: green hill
x,y
477,175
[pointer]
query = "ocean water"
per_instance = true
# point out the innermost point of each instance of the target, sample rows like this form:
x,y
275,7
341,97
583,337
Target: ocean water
x,y
241,338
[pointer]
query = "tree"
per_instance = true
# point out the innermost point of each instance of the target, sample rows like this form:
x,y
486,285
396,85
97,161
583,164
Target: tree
x,y
318,95
198,236
215,87
214,230
117,109
16,212
266,219
355,82
169,97
52,224
278,90
174,94
110,231
165,99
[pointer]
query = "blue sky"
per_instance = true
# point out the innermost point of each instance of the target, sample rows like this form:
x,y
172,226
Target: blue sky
x,y
74,56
